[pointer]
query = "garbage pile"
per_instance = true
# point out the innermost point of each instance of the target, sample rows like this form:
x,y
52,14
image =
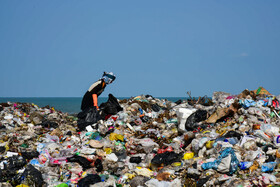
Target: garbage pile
x,y
144,141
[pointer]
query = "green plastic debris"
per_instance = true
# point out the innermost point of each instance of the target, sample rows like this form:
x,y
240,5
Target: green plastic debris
x,y
272,115
24,145
172,120
78,153
62,185
241,119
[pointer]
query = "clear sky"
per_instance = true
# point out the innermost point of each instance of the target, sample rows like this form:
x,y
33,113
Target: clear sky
x,y
58,48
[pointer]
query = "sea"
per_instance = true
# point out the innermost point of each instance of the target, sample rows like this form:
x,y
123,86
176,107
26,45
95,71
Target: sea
x,y
71,105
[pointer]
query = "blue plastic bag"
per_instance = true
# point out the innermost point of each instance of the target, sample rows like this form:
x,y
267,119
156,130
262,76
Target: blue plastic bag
x,y
223,154
247,103
245,165
35,162
268,166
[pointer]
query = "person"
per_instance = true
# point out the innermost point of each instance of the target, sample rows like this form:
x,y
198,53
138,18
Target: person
x,y
90,97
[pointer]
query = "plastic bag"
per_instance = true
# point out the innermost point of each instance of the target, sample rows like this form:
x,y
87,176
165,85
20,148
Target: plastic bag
x,y
223,154
87,117
155,107
194,118
245,165
111,107
88,180
247,103
98,165
29,155
49,124
92,115
230,134
81,160
268,167
138,181
136,160
182,115
156,183
167,158
32,176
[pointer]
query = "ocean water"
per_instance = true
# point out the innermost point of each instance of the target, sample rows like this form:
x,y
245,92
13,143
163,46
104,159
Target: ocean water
x,y
70,105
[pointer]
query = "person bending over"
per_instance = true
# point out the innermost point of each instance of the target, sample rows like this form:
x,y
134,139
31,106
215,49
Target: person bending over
x,y
90,97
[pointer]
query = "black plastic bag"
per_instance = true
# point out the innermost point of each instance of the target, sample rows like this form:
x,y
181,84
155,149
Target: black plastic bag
x,y
90,115
149,96
2,149
270,158
194,118
85,163
87,117
202,181
166,158
88,180
179,102
29,155
136,159
49,124
13,164
230,134
155,107
32,177
98,165
111,107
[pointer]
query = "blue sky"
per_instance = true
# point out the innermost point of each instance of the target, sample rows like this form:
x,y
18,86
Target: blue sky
x,y
160,47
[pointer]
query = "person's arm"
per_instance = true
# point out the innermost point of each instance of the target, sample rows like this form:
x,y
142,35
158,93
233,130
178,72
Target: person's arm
x,y
95,101
97,88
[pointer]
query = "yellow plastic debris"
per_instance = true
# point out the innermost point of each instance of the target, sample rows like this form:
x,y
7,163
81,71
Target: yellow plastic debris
x,y
188,155
22,185
209,144
108,150
84,174
129,175
175,164
7,147
115,136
